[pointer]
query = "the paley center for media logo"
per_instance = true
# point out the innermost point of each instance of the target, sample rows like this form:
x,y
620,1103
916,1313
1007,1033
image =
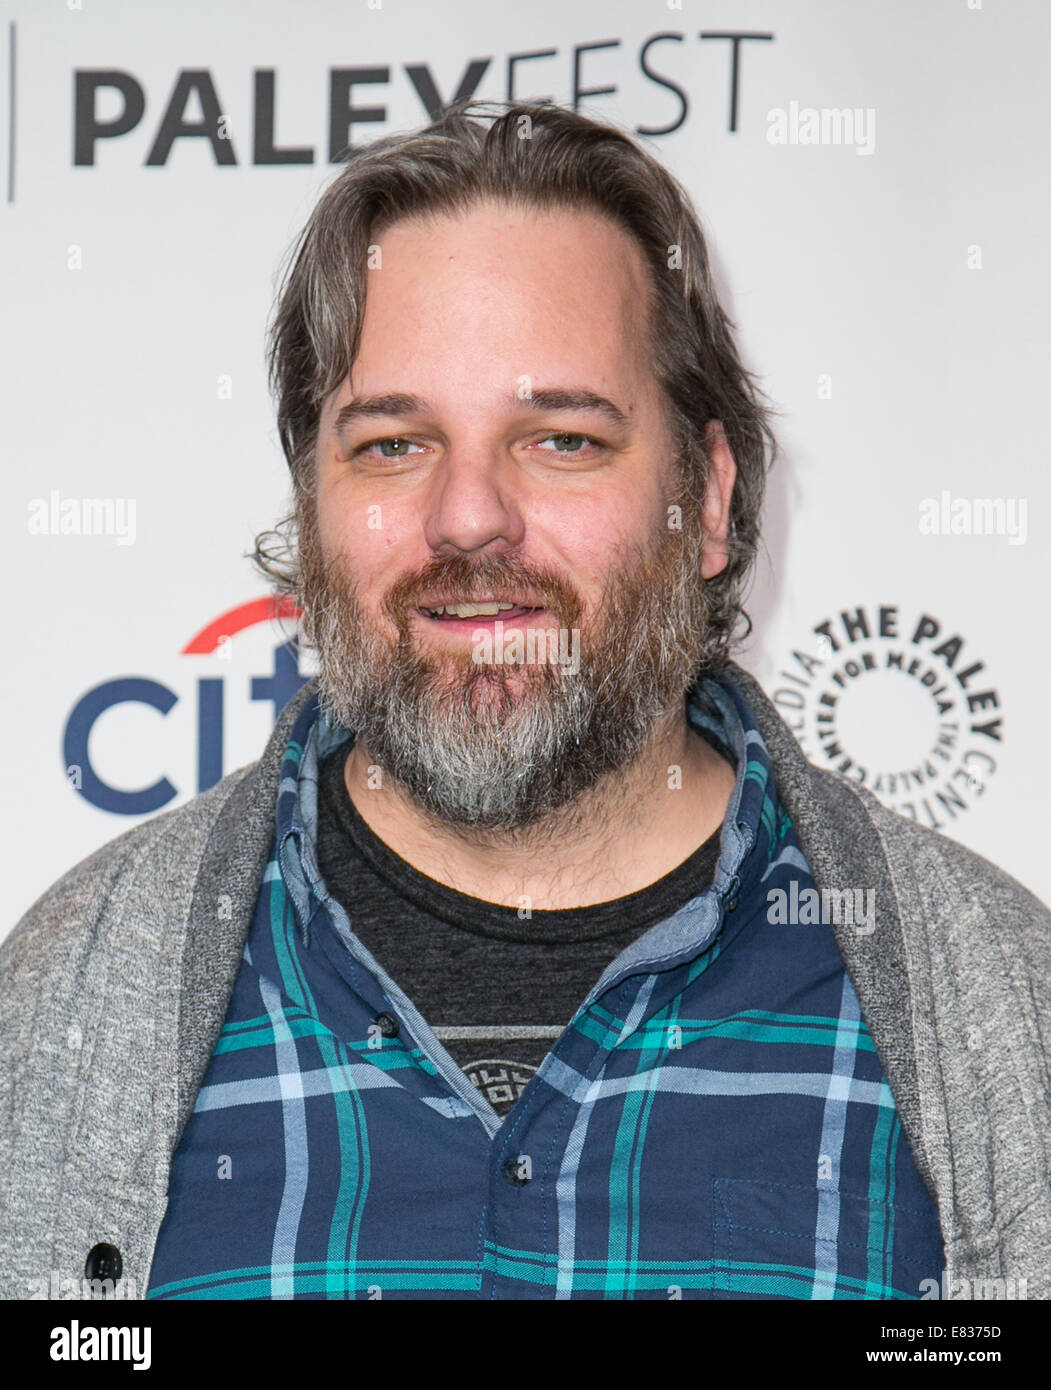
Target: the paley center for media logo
x,y
895,697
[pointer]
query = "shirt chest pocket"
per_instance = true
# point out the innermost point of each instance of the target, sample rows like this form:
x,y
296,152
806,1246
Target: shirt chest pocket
x,y
785,1240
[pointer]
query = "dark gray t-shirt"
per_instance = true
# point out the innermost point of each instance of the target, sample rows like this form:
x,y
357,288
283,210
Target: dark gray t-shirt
x,y
497,988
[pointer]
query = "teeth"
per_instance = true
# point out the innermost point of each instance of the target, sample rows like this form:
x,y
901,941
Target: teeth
x,y
472,610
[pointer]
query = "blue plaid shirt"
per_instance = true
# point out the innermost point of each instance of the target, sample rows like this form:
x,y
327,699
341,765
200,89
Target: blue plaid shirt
x,y
713,1123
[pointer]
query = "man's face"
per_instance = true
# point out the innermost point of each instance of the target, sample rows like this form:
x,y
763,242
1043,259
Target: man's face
x,y
532,466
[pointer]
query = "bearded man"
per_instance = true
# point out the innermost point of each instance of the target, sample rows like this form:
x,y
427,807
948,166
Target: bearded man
x,y
471,987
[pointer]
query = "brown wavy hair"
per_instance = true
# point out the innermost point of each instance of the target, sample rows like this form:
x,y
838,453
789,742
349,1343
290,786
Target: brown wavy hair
x,y
547,157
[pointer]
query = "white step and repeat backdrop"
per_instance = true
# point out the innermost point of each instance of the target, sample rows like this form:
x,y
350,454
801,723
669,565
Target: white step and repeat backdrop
x,y
873,175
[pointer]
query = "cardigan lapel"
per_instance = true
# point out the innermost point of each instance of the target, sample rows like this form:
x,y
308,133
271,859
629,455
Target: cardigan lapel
x,y
843,849
224,900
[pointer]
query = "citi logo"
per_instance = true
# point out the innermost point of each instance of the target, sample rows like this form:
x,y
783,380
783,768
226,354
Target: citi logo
x,y
277,686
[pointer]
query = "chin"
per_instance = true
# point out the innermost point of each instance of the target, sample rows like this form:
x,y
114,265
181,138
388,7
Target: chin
x,y
499,695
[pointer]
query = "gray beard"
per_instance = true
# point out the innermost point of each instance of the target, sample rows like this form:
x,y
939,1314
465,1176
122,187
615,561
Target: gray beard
x,y
497,748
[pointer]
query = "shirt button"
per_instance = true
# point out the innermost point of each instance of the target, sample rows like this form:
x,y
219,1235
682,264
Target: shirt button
x,y
103,1262
518,1171
730,896
387,1024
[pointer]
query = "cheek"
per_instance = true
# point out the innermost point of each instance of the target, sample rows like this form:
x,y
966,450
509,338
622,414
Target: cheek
x,y
591,536
378,543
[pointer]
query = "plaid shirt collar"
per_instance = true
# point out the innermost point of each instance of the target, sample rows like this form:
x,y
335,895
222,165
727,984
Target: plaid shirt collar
x,y
747,846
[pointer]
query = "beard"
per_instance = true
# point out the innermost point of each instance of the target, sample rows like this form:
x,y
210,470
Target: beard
x,y
500,748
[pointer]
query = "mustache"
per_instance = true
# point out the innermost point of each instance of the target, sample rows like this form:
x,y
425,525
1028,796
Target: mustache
x,y
467,578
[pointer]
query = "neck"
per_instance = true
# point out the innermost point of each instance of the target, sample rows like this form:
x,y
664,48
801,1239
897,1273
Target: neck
x,y
631,829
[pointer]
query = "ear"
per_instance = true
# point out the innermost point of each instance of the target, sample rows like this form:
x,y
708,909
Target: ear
x,y
715,511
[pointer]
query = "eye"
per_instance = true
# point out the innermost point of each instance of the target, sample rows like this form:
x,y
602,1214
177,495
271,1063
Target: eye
x,y
396,441
567,443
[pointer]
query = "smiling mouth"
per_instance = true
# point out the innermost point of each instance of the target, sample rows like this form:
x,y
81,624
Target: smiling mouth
x,y
484,612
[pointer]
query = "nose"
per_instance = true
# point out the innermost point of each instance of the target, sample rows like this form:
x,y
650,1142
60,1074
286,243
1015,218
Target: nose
x,y
472,504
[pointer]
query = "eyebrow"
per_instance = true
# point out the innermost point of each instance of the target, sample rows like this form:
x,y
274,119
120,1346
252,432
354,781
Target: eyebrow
x,y
399,405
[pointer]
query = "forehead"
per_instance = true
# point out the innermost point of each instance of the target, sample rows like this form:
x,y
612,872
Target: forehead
x,y
502,291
